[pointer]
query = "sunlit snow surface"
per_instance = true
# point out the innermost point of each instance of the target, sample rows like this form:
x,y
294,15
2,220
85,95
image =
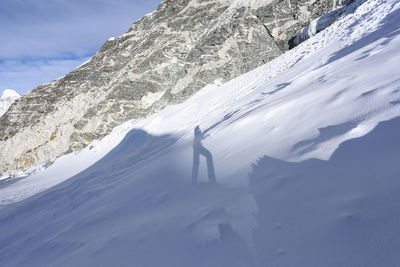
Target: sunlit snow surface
x,y
306,156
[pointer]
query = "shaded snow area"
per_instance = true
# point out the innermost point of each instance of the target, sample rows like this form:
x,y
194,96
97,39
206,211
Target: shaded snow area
x,y
7,99
305,149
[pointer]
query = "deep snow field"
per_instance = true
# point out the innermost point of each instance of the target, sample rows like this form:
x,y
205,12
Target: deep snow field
x,y
306,152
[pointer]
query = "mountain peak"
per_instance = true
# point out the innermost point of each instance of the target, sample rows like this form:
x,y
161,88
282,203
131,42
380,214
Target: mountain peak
x,y
7,99
9,94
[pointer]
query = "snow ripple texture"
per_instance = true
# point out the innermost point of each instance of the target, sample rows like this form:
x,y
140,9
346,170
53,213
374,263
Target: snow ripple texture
x,y
306,157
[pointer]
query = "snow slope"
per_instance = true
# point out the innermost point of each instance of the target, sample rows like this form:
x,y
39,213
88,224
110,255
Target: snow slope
x,y
305,151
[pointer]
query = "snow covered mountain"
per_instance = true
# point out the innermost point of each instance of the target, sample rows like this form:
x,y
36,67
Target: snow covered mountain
x,y
305,150
164,58
7,99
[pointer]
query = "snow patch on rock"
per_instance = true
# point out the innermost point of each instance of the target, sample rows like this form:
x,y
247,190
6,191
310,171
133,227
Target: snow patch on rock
x,y
322,22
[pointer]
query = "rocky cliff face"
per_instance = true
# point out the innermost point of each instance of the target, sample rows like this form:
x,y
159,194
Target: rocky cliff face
x,y
163,58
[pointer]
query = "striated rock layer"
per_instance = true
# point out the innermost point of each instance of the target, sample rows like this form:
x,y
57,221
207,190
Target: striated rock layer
x,y
163,58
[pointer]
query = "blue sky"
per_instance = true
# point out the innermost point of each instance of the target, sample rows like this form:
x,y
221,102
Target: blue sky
x,y
41,40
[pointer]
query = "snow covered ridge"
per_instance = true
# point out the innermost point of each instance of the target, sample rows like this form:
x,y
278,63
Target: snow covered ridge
x,y
9,95
305,150
7,99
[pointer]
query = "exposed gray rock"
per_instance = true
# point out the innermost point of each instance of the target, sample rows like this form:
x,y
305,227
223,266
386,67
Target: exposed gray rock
x,y
321,23
163,58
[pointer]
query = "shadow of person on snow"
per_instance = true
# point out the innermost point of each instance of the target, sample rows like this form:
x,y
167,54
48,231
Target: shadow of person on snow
x,y
199,149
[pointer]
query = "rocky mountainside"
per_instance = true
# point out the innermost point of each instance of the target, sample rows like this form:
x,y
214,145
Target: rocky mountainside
x,y
7,99
164,58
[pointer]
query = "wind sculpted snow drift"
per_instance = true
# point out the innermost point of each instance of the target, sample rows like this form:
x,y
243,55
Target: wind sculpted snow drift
x,y
305,151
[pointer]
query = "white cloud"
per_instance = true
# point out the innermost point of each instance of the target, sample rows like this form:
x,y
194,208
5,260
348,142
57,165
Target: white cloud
x,y
43,40
60,28
23,76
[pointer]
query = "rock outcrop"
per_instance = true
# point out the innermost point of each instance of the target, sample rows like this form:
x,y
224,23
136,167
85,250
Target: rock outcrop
x,y
320,24
164,58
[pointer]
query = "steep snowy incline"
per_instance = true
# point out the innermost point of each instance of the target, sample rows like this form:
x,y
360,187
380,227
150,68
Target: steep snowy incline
x,y
163,59
305,150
